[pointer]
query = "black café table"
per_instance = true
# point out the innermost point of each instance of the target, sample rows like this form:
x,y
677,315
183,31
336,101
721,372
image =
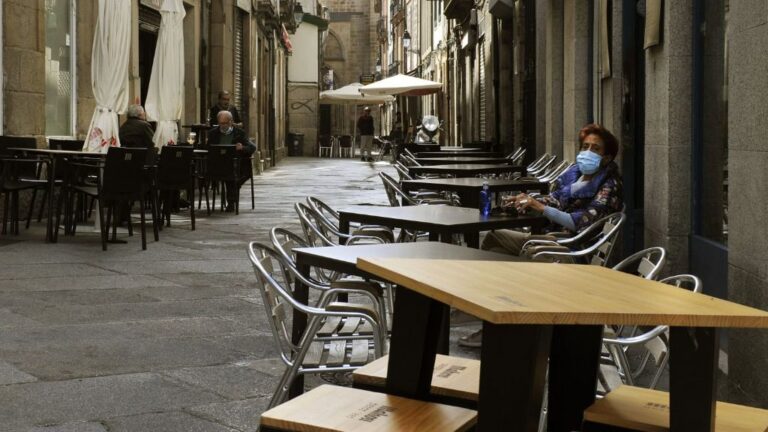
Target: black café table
x,y
459,152
441,222
464,170
52,157
468,188
462,160
343,259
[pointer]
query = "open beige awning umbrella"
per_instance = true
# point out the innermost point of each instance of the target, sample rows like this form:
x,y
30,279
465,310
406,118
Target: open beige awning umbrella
x,y
350,95
402,85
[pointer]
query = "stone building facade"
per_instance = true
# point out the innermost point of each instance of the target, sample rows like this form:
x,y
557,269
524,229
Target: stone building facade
x,y
681,83
235,45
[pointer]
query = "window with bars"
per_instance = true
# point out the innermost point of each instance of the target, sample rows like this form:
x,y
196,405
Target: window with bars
x,y
482,99
239,80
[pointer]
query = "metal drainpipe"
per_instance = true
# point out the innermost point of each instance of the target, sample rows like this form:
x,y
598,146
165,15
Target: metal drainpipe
x,y
496,83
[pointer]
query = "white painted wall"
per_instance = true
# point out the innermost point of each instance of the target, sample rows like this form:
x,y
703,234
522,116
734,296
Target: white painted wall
x,y
302,65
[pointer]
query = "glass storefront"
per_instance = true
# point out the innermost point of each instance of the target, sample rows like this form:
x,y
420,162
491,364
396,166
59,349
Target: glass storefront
x,y
59,68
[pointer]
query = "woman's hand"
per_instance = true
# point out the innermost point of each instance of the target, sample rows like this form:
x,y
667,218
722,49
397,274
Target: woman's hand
x,y
523,202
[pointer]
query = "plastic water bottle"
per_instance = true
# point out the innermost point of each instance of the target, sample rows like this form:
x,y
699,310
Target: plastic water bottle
x,y
485,200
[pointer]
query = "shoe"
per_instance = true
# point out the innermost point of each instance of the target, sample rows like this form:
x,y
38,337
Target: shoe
x,y
475,340
459,318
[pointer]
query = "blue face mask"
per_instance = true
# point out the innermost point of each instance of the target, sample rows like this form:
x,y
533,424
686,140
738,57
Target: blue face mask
x,y
589,162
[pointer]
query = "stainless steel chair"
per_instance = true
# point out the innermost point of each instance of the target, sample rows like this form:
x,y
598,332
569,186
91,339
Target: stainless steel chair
x,y
328,217
339,337
654,341
593,245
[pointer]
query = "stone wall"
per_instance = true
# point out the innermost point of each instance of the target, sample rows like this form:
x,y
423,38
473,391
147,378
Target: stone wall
x,y
667,198
748,182
24,64
576,78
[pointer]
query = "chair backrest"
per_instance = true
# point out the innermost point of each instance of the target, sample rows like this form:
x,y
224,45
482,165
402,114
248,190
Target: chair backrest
x,y
65,144
7,142
409,161
276,296
312,232
222,163
345,141
124,170
394,193
685,281
402,171
325,141
283,242
409,153
323,209
646,263
326,218
175,167
540,160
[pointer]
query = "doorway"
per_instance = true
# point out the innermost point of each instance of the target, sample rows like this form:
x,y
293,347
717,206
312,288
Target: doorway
x,y
149,26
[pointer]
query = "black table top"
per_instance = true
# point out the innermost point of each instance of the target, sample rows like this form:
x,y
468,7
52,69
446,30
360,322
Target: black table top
x,y
462,160
472,183
344,258
57,152
435,218
464,170
458,152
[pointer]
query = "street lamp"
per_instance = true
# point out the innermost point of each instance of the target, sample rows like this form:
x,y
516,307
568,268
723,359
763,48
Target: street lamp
x,y
378,65
406,40
298,14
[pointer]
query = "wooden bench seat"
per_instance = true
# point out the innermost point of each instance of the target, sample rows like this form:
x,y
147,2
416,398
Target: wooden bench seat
x,y
641,409
454,379
334,408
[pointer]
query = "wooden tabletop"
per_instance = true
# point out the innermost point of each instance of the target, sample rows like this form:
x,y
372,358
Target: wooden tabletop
x,y
468,159
434,218
344,258
543,293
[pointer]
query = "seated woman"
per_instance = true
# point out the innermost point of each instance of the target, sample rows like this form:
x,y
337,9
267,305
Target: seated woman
x,y
583,194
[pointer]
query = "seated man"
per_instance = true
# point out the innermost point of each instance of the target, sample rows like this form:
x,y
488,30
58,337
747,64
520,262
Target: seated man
x,y
136,131
226,133
583,194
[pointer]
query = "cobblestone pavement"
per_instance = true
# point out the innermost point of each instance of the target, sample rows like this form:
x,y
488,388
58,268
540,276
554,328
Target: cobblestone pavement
x,y
173,338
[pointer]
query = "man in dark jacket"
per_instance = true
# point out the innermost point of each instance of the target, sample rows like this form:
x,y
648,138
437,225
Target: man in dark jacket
x,y
136,131
224,105
226,133
365,126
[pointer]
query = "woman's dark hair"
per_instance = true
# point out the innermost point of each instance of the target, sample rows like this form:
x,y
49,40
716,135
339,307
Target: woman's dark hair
x,y
610,143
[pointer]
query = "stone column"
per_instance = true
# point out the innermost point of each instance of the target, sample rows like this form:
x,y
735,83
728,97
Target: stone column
x,y
748,180
553,98
576,78
24,63
668,137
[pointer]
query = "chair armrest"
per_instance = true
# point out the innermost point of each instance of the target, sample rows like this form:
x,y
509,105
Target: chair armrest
x,y
637,340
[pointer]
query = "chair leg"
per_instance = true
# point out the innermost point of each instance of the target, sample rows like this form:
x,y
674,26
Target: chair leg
x,y
104,225
155,216
15,210
6,210
32,207
191,193
253,196
42,207
130,222
143,225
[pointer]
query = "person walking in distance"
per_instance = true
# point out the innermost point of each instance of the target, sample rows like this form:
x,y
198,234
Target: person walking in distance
x,y
365,127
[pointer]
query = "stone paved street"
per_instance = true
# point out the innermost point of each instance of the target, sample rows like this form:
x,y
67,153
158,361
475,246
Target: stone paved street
x,y
173,338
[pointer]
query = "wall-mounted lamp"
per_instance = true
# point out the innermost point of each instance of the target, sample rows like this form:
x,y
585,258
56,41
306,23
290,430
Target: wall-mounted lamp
x,y
406,40
298,14
378,65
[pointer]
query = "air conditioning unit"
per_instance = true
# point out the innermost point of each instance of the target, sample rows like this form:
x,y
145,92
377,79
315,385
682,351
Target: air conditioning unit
x,y
502,9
